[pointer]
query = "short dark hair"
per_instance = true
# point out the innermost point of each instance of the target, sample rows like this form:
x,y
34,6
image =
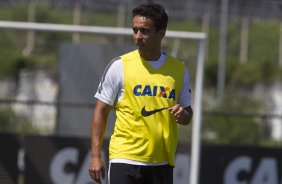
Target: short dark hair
x,y
153,11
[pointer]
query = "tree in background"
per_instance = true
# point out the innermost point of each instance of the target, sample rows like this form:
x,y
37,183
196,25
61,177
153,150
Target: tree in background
x,y
235,126
15,123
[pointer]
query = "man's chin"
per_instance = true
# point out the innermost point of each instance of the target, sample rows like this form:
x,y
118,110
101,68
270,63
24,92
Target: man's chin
x,y
140,48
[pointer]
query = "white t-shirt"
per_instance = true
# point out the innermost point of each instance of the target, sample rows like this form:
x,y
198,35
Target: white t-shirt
x,y
111,87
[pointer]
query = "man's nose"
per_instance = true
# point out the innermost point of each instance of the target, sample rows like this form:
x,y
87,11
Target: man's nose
x,y
139,35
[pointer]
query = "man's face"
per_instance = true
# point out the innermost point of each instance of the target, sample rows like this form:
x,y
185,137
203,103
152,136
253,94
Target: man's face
x,y
146,37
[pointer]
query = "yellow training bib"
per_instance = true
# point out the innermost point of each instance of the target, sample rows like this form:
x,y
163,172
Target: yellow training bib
x,y
145,130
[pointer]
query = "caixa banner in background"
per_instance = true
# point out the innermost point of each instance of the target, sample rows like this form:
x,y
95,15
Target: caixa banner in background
x,y
57,160
9,172
240,165
65,160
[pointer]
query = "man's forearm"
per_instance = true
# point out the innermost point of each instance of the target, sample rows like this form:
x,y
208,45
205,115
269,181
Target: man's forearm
x,y
98,126
97,139
99,122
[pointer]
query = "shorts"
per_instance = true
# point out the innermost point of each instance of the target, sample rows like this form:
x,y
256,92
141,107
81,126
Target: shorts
x,y
139,174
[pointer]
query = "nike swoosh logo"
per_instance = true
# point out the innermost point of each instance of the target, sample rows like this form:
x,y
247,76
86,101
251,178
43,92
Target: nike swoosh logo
x,y
145,113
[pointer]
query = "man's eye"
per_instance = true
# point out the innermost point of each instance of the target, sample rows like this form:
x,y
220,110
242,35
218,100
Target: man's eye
x,y
135,30
142,30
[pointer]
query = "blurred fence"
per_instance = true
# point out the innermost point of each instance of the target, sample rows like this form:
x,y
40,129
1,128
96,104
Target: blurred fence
x,y
80,68
254,35
263,9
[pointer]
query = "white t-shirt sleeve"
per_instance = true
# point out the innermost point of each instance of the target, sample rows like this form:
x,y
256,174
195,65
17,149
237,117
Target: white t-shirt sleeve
x,y
185,93
111,87
111,83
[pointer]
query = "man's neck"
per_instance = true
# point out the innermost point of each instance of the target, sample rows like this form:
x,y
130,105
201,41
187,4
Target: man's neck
x,y
153,56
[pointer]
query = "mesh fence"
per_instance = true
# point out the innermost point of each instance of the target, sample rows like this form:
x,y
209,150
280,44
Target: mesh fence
x,y
36,96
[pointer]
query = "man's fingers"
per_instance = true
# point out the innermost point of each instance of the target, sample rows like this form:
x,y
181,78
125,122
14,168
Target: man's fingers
x,y
177,111
95,175
96,170
103,173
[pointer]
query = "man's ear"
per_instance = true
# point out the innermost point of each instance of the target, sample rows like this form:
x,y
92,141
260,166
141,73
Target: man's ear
x,y
162,32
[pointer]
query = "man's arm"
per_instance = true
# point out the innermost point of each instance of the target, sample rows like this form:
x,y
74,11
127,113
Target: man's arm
x,y
183,115
99,120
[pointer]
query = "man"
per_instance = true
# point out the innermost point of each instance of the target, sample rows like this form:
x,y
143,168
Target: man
x,y
151,94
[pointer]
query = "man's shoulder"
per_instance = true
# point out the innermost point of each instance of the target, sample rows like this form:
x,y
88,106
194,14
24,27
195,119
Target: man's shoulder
x,y
175,61
115,63
130,55
120,57
172,58
115,59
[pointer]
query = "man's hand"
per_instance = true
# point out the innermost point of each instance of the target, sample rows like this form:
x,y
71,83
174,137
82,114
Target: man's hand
x,y
97,169
183,115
